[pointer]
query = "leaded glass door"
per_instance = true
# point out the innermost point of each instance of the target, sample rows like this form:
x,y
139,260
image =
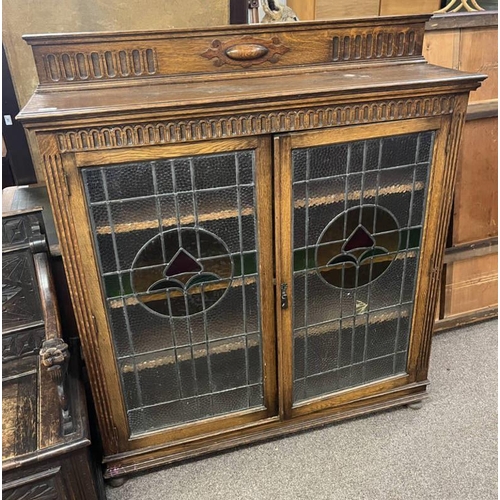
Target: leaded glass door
x,y
179,250
352,209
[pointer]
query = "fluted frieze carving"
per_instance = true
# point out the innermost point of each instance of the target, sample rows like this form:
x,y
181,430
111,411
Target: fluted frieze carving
x,y
179,131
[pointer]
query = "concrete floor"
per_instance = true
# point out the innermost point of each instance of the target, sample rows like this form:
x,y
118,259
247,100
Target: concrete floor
x,y
446,451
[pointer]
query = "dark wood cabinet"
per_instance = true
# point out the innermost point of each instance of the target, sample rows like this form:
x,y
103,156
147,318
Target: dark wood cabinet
x,y
45,443
252,222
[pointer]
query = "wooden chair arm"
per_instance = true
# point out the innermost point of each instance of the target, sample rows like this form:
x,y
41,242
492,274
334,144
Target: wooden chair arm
x,y
54,353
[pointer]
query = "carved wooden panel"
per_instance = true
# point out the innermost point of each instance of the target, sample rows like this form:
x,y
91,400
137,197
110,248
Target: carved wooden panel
x,y
146,134
81,59
20,301
100,65
44,490
14,231
20,230
39,485
245,51
379,44
22,343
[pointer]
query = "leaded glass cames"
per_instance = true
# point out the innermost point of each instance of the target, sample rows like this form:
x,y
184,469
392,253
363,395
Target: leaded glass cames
x,y
177,247
178,259
357,222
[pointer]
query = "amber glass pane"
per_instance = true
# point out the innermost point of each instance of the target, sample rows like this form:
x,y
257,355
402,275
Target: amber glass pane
x,y
357,225
177,252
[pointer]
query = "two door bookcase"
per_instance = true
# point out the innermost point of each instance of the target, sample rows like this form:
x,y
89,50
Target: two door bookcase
x,y
252,222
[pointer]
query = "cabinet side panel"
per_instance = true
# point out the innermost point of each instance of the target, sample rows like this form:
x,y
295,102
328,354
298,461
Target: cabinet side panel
x,y
58,189
436,227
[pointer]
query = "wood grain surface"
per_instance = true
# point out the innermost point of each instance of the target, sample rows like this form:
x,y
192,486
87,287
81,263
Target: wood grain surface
x,y
351,80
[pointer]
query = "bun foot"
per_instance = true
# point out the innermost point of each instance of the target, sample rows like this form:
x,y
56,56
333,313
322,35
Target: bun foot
x,y
416,406
116,482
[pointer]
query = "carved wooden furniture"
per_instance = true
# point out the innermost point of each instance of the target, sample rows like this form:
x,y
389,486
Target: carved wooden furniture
x,y
45,450
457,5
469,290
326,9
252,222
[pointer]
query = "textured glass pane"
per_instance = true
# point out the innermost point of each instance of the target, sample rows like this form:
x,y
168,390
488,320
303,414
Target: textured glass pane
x,y
150,335
400,150
130,383
299,284
233,400
255,396
322,348
167,205
395,192
300,165
182,175
382,333
354,189
322,383
425,145
404,329
123,343
157,372
400,362
132,214
327,161
372,155
326,200
215,172
346,343
95,185
128,181
254,364
245,167
231,323
299,347
357,224
247,218
176,241
227,360
252,305
129,243
379,368
417,216
164,179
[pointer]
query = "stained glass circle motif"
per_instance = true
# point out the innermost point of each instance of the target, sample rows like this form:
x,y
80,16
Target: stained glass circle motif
x,y
182,272
357,247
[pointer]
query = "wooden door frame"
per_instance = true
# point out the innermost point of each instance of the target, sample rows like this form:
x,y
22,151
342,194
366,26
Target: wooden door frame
x,y
429,253
95,299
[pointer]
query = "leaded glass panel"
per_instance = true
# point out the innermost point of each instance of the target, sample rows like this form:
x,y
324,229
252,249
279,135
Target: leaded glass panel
x,y
357,224
177,254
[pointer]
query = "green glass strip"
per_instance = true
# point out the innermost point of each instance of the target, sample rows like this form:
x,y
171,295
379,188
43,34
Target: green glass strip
x,y
112,285
246,262
413,241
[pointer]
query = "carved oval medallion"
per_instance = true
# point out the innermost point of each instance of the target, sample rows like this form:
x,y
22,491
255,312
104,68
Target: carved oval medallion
x,y
246,51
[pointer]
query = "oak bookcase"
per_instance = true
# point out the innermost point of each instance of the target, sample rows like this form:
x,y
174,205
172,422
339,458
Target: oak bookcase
x,y
252,221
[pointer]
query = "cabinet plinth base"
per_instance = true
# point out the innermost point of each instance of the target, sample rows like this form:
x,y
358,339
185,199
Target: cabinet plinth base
x,y
137,461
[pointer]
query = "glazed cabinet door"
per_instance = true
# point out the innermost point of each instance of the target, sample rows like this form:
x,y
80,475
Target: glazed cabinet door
x,y
352,214
176,245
